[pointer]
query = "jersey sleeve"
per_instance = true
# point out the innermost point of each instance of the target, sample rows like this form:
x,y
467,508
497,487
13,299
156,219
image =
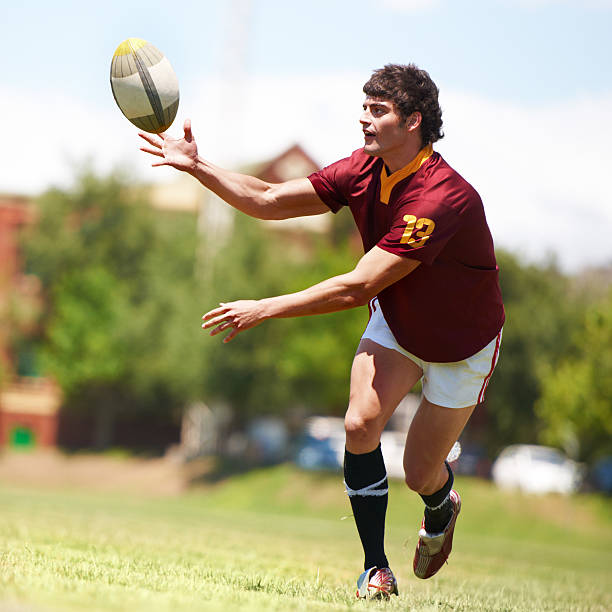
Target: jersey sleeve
x,y
420,230
331,184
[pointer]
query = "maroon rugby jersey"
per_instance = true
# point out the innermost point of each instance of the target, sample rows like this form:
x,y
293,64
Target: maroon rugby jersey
x,y
450,306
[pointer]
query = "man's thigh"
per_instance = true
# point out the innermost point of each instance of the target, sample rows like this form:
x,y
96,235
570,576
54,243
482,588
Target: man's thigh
x,y
380,378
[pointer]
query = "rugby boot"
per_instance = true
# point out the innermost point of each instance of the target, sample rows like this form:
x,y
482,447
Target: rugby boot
x,y
376,583
433,548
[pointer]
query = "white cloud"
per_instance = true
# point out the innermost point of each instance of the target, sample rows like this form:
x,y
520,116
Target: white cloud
x,y
542,170
266,115
48,134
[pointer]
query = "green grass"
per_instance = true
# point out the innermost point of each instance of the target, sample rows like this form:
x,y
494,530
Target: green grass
x,y
281,539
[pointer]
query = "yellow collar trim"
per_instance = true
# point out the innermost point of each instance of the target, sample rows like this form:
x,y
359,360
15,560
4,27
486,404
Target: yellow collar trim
x,y
388,182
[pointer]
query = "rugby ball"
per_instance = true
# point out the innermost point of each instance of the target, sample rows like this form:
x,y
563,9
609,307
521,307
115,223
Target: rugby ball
x,y
144,85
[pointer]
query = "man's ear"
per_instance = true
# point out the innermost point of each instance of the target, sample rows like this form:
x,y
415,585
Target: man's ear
x,y
414,120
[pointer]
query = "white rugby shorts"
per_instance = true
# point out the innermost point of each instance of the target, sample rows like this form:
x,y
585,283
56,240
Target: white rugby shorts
x,y
453,385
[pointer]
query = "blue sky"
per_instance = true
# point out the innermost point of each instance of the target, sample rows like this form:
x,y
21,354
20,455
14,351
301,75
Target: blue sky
x,y
509,49
526,90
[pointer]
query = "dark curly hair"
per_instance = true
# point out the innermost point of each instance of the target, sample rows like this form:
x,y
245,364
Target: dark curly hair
x,y
410,89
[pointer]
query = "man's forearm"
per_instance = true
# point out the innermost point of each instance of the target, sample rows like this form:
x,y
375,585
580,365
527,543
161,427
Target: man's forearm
x,y
331,295
250,195
245,193
376,270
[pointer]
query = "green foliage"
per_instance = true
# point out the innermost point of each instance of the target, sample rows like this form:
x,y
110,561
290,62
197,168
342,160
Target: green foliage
x,y
96,223
576,401
121,332
86,330
317,356
125,293
541,313
285,362
118,281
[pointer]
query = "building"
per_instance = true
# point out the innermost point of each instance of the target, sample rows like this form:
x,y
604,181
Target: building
x,y
29,412
29,406
15,213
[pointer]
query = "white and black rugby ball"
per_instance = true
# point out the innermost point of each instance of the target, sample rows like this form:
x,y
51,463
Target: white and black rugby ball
x,y
144,85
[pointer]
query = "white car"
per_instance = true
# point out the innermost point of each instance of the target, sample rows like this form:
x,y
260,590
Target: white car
x,y
536,469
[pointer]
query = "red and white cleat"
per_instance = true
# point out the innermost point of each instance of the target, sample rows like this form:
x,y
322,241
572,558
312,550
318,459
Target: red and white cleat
x,y
376,583
433,548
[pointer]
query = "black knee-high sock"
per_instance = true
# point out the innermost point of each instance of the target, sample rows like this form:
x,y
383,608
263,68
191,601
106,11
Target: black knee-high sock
x,y
365,477
438,506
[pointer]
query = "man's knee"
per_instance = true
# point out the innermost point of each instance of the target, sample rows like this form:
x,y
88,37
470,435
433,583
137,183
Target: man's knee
x,y
361,429
417,478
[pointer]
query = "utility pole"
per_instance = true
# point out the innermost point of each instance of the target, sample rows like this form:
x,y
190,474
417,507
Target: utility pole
x,y
215,218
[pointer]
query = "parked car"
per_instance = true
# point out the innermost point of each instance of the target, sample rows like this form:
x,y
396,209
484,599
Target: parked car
x,y
317,454
601,475
321,445
536,469
472,461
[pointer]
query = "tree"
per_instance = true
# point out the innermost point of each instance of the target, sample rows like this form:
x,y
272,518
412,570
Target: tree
x,y
541,312
116,277
121,326
317,355
576,402
285,362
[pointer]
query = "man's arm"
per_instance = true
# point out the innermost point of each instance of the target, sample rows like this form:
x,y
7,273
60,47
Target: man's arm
x,y
376,270
257,198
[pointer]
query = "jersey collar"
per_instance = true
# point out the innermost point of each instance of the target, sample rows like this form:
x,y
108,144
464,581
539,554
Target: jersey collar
x,y
387,182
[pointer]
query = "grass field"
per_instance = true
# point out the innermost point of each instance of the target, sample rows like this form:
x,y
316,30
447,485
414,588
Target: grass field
x,y
281,539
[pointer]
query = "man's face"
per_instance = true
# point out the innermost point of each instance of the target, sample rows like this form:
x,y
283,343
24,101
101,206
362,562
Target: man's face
x,y
384,130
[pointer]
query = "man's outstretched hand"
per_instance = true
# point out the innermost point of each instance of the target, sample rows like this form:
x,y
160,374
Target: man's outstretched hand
x,y
237,316
180,153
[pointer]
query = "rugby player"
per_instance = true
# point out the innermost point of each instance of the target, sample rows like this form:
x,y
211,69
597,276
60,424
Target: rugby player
x,y
430,278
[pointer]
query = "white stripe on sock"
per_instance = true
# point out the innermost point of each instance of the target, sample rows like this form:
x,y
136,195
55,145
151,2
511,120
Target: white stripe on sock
x,y
438,507
368,491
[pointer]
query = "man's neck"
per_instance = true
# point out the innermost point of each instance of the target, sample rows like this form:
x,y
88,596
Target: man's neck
x,y
396,160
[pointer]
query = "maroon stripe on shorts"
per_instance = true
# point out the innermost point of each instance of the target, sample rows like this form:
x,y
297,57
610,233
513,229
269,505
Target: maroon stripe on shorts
x,y
488,376
371,308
